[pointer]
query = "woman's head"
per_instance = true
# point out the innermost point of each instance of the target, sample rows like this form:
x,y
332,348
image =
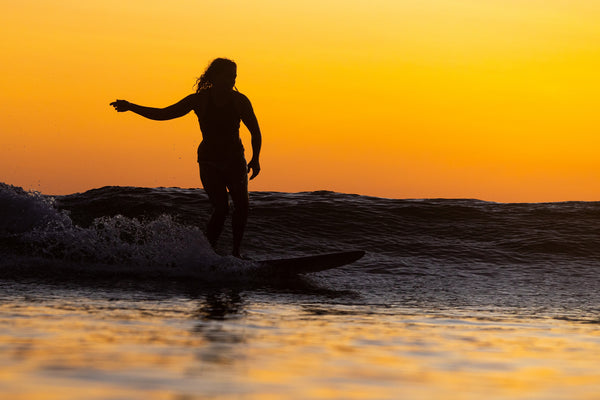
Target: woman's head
x,y
220,73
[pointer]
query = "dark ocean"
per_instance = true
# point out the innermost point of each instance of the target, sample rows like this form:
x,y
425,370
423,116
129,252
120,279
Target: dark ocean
x,y
531,258
468,265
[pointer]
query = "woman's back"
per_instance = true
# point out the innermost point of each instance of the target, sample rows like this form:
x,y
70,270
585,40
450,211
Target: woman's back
x,y
220,125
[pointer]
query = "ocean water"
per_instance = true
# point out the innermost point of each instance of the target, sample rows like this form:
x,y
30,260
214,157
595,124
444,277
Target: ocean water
x,y
115,294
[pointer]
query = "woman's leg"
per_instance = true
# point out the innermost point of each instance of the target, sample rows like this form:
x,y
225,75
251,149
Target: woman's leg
x,y
238,189
216,190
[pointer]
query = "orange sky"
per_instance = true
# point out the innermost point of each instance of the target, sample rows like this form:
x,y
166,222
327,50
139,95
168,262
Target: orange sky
x,y
491,99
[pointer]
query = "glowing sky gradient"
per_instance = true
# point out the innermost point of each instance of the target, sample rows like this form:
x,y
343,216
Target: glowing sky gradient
x,y
493,99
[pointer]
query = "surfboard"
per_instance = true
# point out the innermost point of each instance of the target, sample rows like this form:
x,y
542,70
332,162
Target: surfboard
x,y
308,264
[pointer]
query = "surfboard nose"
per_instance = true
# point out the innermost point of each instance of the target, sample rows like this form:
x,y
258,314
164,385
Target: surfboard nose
x,y
314,263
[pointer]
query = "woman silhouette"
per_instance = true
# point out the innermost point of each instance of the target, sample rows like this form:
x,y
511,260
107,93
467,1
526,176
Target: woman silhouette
x,y
220,108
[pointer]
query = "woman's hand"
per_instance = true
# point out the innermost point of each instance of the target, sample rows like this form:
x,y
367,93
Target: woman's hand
x,y
121,105
254,165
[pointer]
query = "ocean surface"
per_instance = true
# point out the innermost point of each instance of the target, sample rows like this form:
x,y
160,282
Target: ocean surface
x,y
115,294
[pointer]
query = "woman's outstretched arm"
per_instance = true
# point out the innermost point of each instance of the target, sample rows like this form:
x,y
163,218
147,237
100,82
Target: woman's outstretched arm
x,y
176,110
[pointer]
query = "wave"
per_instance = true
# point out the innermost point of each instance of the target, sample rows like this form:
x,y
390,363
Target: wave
x,y
161,228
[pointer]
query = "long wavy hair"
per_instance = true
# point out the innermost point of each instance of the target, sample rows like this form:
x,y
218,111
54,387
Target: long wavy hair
x,y
216,66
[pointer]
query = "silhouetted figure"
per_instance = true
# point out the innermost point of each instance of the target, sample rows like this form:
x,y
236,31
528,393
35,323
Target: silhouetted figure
x,y
220,108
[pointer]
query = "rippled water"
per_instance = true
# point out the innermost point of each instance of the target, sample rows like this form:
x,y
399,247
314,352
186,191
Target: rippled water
x,y
126,340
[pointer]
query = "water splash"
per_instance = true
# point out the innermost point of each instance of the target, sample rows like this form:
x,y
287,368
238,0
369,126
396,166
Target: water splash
x,y
31,224
21,211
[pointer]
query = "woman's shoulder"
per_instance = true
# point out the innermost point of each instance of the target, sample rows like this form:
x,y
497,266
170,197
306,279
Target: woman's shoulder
x,y
240,98
200,95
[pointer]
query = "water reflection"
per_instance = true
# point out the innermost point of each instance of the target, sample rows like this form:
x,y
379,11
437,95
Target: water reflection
x,y
221,339
221,305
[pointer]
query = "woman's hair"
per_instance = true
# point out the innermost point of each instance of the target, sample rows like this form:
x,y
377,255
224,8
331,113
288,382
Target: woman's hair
x,y
216,66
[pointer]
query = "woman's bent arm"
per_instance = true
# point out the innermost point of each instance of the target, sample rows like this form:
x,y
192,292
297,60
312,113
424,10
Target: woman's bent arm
x,y
251,122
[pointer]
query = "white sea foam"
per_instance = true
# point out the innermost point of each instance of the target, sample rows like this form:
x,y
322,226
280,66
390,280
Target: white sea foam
x,y
117,243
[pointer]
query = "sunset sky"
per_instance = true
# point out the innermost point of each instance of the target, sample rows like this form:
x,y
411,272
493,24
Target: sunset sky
x,y
488,99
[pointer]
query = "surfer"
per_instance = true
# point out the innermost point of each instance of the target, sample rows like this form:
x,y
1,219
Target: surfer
x,y
219,108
